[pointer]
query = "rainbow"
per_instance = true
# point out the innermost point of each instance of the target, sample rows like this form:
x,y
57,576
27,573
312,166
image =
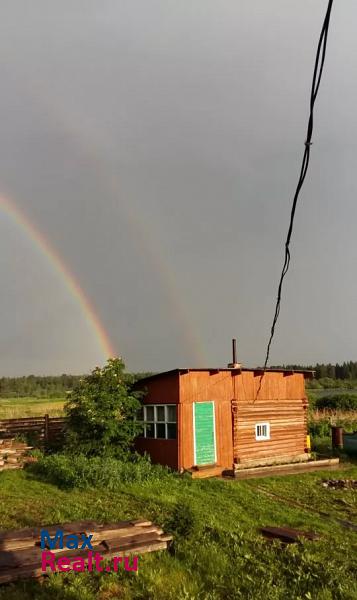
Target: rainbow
x,y
88,141
19,217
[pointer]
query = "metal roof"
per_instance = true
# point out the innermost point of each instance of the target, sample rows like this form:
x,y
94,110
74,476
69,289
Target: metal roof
x,y
307,372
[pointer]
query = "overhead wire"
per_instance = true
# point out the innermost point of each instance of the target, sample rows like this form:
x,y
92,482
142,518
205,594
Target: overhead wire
x,y
316,79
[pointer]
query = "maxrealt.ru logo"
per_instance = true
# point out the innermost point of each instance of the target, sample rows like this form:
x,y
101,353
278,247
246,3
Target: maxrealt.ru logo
x,y
77,563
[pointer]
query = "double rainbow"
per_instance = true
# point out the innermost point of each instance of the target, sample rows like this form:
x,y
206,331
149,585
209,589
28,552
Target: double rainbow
x,y
64,272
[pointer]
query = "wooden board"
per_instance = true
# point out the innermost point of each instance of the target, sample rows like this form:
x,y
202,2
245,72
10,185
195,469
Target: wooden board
x,y
21,554
36,571
287,534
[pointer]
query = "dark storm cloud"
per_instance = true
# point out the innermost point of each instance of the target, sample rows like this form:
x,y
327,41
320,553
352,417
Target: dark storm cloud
x,y
157,144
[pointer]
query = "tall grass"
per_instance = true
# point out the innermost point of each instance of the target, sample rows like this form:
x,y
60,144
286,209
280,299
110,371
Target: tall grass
x,y
217,552
11,408
78,471
343,418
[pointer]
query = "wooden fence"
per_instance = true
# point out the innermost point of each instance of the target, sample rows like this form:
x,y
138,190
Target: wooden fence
x,y
38,431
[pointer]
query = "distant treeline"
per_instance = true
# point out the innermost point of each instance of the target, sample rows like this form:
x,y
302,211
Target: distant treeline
x,y
57,386
347,370
46,386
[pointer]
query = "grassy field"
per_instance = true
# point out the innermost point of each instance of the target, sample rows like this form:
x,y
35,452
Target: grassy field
x,y
217,550
12,408
328,413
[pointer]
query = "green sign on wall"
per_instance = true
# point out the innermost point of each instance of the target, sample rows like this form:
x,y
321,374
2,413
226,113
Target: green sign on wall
x,y
205,451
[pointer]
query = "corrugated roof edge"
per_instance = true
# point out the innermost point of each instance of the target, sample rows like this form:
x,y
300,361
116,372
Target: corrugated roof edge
x,y
306,372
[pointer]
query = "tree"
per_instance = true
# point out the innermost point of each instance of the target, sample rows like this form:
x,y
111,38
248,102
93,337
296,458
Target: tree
x,y
102,411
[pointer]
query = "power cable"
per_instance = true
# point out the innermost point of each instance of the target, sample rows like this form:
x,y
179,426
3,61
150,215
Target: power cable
x,y
316,79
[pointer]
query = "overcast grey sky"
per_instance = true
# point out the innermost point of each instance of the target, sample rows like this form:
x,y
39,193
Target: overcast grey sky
x,y
157,144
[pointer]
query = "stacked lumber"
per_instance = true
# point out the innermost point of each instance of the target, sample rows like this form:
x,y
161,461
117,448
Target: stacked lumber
x,y
13,454
20,551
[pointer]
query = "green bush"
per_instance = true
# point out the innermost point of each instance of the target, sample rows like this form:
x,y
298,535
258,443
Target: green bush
x,y
182,521
313,384
337,402
78,471
321,445
312,398
328,383
320,428
102,412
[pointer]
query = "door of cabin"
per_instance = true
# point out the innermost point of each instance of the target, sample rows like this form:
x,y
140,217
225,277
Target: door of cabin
x,y
204,434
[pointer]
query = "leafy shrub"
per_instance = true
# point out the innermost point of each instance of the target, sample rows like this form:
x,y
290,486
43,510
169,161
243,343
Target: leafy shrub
x,y
320,428
321,445
337,402
313,384
101,413
312,399
78,471
182,521
328,383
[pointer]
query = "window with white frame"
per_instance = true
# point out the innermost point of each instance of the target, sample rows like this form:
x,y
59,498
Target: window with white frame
x,y
159,421
262,431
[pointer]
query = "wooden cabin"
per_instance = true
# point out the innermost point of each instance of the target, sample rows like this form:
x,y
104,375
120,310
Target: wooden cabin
x,y
214,420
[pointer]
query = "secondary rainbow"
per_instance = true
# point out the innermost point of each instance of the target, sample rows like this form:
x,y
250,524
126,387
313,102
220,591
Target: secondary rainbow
x,y
10,208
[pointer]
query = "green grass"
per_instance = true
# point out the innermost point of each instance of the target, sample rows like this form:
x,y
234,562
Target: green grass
x,y
15,408
217,551
340,504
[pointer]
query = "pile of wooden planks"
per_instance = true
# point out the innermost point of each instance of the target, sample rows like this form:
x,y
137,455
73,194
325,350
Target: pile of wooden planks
x,y
21,554
12,454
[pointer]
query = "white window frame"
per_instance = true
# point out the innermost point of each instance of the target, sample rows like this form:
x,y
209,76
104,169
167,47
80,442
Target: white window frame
x,y
261,437
155,422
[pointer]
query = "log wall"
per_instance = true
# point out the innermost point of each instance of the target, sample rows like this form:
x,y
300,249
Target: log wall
x,y
282,403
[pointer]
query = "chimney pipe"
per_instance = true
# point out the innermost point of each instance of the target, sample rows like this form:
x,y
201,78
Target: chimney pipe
x,y
234,364
234,350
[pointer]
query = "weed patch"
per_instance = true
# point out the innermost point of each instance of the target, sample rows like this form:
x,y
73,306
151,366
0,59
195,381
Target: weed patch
x,y
67,471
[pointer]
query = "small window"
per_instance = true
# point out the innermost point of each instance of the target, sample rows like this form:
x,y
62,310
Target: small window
x,y
171,413
160,413
149,430
159,421
171,431
149,413
262,431
160,431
